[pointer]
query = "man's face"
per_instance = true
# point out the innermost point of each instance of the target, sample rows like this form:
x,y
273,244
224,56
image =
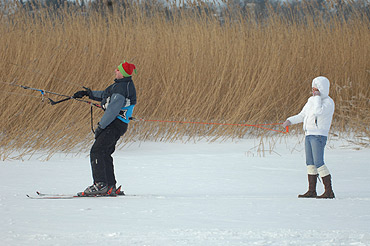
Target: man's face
x,y
118,74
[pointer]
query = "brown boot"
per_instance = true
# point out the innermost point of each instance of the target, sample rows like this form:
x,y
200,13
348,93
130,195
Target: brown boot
x,y
311,193
328,194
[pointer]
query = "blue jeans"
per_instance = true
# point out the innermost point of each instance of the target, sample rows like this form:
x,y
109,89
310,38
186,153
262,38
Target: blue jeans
x,y
314,147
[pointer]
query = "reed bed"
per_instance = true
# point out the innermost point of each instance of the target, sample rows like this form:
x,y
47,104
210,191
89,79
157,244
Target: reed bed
x,y
190,68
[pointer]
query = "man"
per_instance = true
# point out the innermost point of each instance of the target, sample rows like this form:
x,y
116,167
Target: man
x,y
118,101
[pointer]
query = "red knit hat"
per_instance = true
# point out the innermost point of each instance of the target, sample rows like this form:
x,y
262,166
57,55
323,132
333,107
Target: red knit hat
x,y
126,69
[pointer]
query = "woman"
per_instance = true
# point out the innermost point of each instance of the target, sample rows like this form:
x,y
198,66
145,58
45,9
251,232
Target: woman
x,y
316,115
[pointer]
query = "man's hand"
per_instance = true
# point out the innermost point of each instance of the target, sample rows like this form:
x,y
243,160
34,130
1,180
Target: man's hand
x,y
81,94
98,130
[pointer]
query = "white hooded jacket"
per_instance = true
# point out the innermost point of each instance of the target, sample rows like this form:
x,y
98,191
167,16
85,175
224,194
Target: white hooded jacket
x,y
317,113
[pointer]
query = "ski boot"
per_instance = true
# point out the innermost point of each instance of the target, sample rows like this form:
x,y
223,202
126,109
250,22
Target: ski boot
x,y
97,189
113,191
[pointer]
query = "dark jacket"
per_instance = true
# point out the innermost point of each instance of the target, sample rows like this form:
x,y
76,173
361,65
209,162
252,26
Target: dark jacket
x,y
118,101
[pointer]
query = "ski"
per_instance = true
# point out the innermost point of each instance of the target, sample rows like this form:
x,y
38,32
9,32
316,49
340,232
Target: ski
x,y
52,194
66,196
78,195
54,197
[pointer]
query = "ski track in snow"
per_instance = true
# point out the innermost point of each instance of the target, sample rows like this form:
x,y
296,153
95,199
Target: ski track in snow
x,y
190,194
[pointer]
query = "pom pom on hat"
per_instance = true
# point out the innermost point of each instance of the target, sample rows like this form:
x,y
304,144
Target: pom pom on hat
x,y
127,69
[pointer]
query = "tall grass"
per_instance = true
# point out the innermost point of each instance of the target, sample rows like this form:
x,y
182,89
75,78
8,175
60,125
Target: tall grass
x,y
190,68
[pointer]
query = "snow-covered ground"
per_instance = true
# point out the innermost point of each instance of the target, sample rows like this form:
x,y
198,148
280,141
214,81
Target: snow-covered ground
x,y
222,193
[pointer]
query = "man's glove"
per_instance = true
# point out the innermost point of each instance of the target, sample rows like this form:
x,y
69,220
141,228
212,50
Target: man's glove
x,y
98,130
81,94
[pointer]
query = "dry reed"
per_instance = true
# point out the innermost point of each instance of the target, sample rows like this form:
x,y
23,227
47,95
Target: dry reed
x,y
192,69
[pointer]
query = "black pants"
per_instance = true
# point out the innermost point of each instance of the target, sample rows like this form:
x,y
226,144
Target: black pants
x,y
101,152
